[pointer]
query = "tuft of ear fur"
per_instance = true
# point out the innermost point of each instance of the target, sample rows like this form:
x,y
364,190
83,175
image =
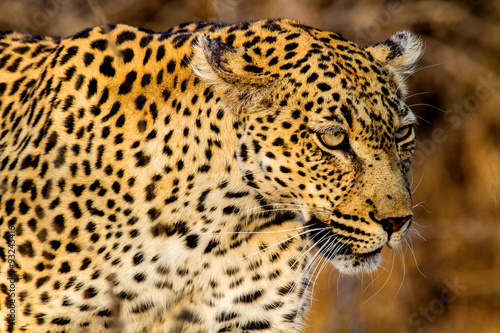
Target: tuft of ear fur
x,y
399,53
228,70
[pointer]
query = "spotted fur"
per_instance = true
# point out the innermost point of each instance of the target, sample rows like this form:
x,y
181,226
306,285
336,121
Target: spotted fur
x,y
181,181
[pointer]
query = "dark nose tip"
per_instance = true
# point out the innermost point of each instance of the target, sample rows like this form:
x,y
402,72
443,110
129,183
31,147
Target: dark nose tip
x,y
393,224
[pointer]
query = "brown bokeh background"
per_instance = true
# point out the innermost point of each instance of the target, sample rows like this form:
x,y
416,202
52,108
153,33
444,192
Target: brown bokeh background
x,y
446,278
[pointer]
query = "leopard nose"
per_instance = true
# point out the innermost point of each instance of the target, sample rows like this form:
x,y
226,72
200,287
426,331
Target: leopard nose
x,y
393,224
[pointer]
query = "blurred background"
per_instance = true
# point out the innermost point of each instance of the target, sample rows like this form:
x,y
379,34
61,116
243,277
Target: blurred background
x,y
446,278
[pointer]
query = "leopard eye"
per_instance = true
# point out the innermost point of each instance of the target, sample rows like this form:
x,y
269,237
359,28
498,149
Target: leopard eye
x,y
404,132
332,140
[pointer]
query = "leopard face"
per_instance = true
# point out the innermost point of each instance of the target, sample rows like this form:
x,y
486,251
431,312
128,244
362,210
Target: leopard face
x,y
182,181
329,138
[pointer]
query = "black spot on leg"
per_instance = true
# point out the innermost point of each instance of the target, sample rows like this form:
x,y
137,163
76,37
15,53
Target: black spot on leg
x,y
313,77
124,37
99,44
72,247
188,316
211,245
58,223
26,249
126,86
127,55
92,88
278,142
253,69
192,241
90,293
138,258
248,298
140,101
142,307
61,321
65,267
324,87
160,53
228,210
61,157
142,159
171,66
106,67
150,192
256,325
244,152
139,277
226,316
285,169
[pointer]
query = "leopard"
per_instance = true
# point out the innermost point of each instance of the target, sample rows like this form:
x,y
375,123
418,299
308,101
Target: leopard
x,y
193,180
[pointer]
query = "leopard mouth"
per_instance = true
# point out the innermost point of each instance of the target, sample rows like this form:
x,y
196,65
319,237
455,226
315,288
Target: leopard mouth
x,y
330,244
338,249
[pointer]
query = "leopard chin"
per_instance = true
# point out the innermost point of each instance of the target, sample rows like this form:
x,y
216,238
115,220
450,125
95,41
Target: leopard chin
x,y
357,263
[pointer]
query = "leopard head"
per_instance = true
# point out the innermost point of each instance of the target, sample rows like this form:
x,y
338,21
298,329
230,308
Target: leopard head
x,y
327,134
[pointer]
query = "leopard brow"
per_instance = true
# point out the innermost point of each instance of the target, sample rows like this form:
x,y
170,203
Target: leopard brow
x,y
330,129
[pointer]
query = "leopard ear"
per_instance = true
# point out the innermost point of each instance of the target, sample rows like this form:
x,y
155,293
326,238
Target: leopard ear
x,y
231,71
399,53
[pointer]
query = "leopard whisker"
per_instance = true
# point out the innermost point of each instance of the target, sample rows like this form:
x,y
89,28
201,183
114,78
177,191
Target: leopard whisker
x,y
275,244
385,283
255,232
308,248
419,182
416,232
410,246
422,205
419,93
310,269
415,70
403,263
286,205
379,273
318,268
429,105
